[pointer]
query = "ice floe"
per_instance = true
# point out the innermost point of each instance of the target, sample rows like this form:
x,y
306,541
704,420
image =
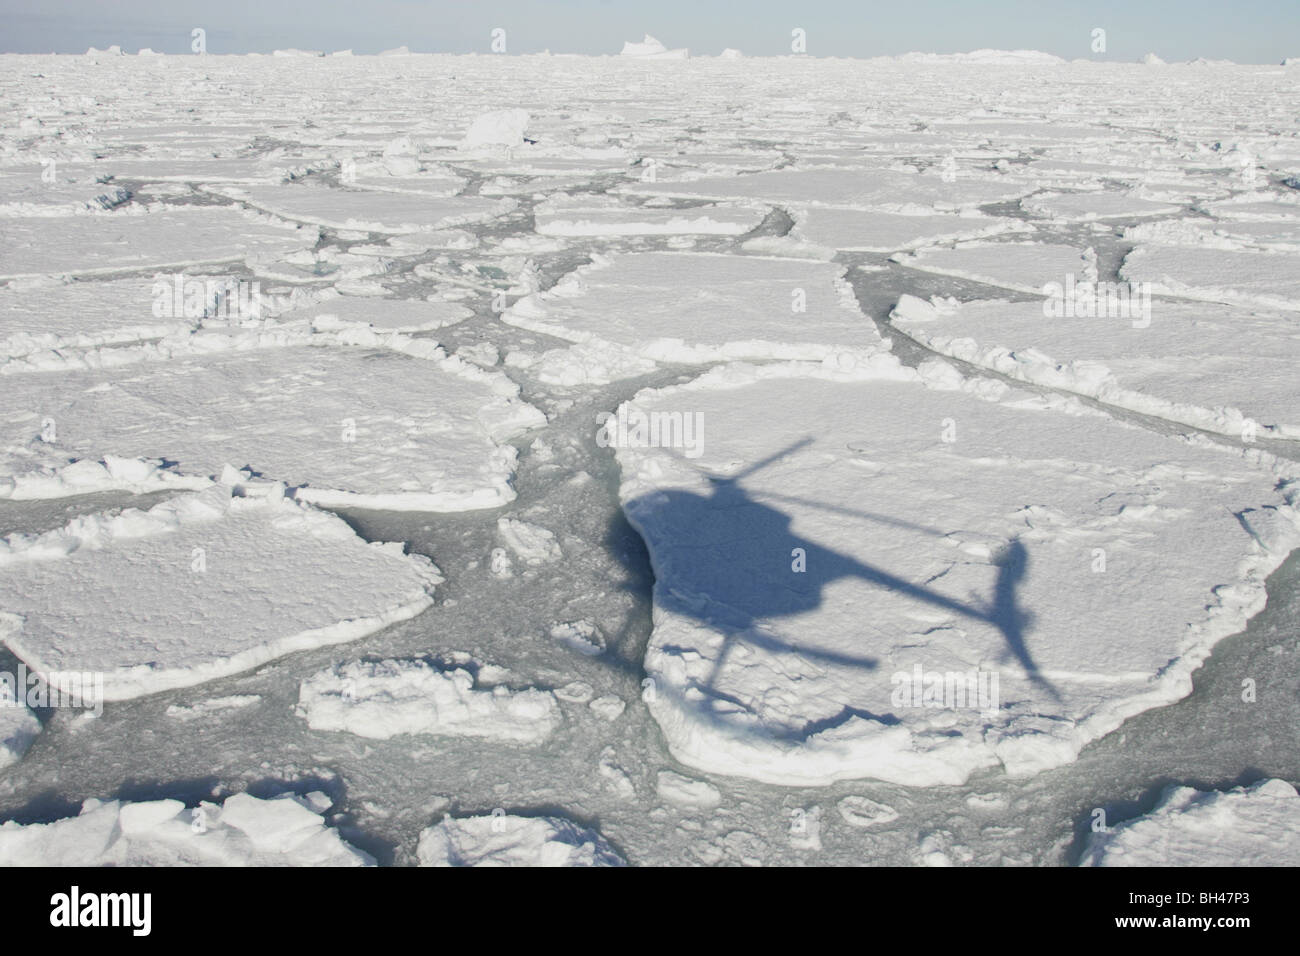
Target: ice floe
x,y
700,307
382,699
243,830
504,840
351,417
369,210
1223,369
882,573
157,238
1257,825
198,587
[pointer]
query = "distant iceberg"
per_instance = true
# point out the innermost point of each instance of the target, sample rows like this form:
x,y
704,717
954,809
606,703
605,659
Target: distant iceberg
x,y
652,49
994,57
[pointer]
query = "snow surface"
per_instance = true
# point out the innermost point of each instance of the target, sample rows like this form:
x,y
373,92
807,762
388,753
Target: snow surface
x,y
160,237
202,586
1257,825
695,308
385,698
1218,368
370,211
412,427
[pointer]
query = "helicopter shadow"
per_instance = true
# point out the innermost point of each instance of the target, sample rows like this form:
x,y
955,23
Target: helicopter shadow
x,y
741,570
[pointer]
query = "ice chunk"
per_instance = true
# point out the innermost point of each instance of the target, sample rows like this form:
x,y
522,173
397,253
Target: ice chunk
x,y
856,230
495,129
241,831
383,315
1257,825
18,725
652,49
687,792
584,216
54,189
198,587
213,705
533,544
381,699
38,314
1086,206
583,636
868,188
503,840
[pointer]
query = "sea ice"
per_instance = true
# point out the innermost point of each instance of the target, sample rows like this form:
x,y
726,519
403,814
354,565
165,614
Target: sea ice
x,y
1019,266
381,699
160,237
243,830
369,210
1223,369
384,422
1257,825
504,840
198,587
877,572
701,307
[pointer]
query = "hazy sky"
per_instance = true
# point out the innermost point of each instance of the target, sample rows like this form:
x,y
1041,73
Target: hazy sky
x,y
1247,31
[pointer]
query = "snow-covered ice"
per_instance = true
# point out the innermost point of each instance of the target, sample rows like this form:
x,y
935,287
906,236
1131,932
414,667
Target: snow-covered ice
x,y
504,840
465,265
1223,369
160,237
385,698
197,587
410,427
243,830
847,535
1257,825
698,307
1020,266
369,211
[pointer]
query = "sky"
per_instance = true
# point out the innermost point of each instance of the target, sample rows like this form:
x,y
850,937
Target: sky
x,y
1246,31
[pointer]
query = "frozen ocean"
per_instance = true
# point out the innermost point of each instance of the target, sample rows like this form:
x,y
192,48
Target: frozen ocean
x,y
648,459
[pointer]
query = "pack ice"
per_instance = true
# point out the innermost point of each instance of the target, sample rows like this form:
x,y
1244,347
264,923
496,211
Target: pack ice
x,y
879,572
1257,825
201,586
243,830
